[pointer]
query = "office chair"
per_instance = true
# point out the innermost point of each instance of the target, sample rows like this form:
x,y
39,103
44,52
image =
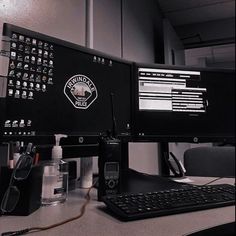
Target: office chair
x,y
210,161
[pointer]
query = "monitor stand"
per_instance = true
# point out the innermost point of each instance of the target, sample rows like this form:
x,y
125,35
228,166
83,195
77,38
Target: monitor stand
x,y
86,172
163,156
133,181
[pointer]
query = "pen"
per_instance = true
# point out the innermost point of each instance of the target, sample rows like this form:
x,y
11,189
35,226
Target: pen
x,y
29,148
11,159
16,154
21,147
36,159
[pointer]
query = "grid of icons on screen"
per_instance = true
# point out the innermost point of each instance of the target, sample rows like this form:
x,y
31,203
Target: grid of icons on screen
x,y
30,68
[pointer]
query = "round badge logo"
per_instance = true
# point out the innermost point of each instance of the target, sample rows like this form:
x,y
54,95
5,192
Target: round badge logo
x,y
80,91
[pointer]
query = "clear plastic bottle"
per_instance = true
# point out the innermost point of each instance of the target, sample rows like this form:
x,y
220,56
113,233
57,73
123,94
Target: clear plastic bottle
x,y
55,177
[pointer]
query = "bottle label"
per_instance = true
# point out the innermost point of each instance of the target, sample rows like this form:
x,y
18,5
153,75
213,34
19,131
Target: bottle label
x,y
53,186
59,190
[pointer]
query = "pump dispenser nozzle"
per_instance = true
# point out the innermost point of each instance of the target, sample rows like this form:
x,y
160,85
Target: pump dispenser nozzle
x,y
57,150
58,138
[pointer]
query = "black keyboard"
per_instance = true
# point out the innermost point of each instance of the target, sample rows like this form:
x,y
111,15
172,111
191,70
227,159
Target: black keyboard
x,y
134,206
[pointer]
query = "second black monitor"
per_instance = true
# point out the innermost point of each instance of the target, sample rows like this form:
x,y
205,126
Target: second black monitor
x,y
184,104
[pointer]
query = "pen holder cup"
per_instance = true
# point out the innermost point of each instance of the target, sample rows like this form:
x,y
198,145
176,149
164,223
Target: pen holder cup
x,y
30,190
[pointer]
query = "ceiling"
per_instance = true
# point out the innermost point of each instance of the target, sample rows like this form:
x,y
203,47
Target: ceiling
x,y
183,12
215,56
201,22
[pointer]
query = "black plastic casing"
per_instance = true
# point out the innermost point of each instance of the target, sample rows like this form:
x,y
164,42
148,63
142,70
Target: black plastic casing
x,y
109,164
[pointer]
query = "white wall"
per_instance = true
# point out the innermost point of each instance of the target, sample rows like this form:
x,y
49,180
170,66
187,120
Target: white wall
x,y
128,28
64,19
219,56
143,157
218,31
172,42
142,24
107,26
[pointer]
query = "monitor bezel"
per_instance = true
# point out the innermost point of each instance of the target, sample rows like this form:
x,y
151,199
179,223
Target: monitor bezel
x,y
80,139
173,138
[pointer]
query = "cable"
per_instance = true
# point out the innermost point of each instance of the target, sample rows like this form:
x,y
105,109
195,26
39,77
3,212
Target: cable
x,y
218,178
212,181
37,229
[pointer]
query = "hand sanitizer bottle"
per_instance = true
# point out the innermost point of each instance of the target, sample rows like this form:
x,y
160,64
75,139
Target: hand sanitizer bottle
x,y
55,177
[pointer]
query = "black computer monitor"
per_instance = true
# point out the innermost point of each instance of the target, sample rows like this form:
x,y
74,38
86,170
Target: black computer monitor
x,y
184,104
56,87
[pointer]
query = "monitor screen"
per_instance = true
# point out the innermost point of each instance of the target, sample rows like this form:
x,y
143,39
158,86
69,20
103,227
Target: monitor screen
x,y
184,104
56,87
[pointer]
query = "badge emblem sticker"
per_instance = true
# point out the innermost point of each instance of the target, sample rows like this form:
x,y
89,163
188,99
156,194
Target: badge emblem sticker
x,y
80,91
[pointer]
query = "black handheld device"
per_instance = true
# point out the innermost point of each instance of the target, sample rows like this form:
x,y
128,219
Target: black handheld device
x,y
109,161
